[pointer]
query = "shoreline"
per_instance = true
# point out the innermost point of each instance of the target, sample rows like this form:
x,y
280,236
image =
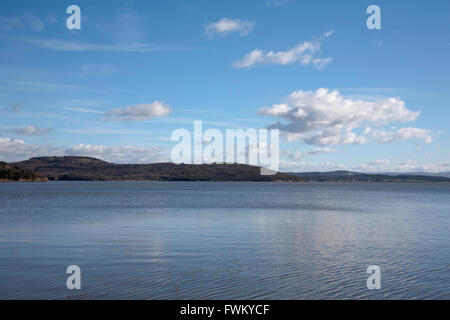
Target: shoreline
x,y
73,168
232,181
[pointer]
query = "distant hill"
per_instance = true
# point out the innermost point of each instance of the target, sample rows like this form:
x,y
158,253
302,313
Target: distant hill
x,y
433,174
91,169
347,176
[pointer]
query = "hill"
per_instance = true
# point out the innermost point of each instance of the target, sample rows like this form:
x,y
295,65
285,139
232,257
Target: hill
x,y
349,176
91,169
432,174
15,173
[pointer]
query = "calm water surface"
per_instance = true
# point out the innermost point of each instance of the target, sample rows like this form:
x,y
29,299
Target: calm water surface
x,y
210,240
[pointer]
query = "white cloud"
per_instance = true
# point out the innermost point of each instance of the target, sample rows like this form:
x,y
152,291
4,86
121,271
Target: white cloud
x,y
401,134
384,165
140,112
376,166
12,150
325,118
299,155
225,26
295,166
320,63
328,138
30,131
277,110
119,154
65,45
303,53
412,166
328,33
256,56
17,150
380,162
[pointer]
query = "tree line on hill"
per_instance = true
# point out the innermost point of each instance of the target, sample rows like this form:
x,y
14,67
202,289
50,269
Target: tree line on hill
x,y
16,173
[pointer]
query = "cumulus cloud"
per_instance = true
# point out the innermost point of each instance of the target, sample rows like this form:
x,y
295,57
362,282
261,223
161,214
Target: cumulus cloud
x,y
119,154
324,117
304,53
225,26
303,166
30,131
384,165
277,110
412,166
386,136
12,150
380,162
16,150
139,112
328,138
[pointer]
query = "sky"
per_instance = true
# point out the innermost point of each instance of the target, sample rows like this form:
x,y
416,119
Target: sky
x,y
343,96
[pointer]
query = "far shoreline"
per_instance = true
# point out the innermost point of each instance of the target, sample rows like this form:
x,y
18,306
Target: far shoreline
x,y
233,181
74,168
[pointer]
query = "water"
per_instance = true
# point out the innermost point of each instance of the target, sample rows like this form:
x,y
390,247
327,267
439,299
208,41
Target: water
x,y
210,240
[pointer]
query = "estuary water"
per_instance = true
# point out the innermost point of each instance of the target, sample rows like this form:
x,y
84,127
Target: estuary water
x,y
213,240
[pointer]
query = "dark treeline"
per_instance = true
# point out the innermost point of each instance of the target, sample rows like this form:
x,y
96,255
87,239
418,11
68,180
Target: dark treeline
x,y
16,173
91,169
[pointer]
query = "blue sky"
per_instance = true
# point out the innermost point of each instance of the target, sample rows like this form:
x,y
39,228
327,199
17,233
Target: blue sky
x,y
369,100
